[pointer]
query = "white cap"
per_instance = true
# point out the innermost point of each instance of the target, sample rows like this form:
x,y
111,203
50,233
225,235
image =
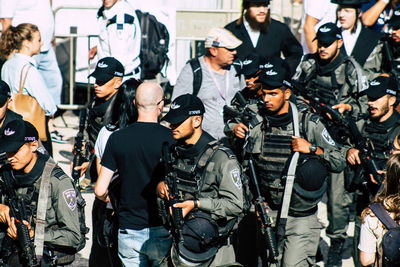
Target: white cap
x,y
220,37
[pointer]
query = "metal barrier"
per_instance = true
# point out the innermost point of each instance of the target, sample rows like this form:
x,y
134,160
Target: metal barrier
x,y
192,36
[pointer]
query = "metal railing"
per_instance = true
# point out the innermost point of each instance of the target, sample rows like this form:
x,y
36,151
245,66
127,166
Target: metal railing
x,y
230,15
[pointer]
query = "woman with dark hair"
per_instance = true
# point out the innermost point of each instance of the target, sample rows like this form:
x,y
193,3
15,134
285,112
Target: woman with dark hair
x,y
123,114
19,44
372,230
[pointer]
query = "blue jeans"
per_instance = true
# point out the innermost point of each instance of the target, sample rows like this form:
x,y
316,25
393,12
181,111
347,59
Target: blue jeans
x,y
142,248
48,68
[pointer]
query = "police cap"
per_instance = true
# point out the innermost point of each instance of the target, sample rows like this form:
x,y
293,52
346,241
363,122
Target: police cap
x,y
277,75
328,33
183,107
250,65
107,68
5,92
16,133
381,86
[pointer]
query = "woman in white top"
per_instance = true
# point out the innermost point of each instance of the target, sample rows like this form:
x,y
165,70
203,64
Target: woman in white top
x,y
123,113
19,44
372,230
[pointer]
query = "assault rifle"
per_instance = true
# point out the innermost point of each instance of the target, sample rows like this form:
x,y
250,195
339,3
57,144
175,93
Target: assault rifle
x,y
365,148
248,117
176,221
348,123
78,148
319,108
18,211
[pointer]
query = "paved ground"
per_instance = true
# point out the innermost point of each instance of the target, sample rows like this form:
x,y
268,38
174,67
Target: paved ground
x,y
63,155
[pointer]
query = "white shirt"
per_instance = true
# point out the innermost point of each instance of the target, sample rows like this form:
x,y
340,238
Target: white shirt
x,y
120,40
323,10
350,39
34,84
36,12
254,34
101,142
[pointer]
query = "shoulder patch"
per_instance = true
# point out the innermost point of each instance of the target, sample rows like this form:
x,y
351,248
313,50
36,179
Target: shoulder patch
x,y
236,179
327,137
70,198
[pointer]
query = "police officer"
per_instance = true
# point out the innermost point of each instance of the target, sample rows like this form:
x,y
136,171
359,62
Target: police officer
x,y
108,74
381,129
30,168
282,130
209,179
336,80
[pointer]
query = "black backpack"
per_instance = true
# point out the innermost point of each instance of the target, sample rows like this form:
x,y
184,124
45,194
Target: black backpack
x,y
154,48
391,239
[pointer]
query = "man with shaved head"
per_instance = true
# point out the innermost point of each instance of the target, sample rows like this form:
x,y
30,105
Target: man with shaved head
x,y
135,152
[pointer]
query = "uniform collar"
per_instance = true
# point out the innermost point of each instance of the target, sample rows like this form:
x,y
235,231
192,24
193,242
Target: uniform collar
x,y
191,151
25,179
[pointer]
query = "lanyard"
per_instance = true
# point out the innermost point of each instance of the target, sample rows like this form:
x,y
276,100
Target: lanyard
x,y
216,82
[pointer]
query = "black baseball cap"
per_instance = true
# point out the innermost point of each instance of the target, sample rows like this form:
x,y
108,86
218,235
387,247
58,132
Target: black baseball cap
x,y
15,134
183,107
355,3
276,75
107,68
381,86
5,92
328,33
250,65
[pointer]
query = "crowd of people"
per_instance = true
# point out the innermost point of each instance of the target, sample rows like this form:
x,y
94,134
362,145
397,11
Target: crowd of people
x,y
259,129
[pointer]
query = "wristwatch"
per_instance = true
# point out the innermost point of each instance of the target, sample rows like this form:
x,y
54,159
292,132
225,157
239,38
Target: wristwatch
x,y
313,149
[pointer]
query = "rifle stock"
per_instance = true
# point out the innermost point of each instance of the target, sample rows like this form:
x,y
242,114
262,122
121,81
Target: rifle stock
x,y
18,211
174,197
78,147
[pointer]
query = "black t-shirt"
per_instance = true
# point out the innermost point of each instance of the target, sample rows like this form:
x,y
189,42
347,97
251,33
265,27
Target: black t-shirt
x,y
136,153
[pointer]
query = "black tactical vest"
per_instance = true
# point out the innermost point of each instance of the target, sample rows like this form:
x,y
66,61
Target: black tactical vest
x,y
189,172
382,142
327,90
99,116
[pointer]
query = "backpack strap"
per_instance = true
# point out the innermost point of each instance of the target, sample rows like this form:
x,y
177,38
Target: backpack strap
x,y
42,207
383,216
197,75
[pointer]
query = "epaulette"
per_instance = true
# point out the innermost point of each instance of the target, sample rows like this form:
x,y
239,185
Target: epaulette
x,y
228,152
314,118
58,173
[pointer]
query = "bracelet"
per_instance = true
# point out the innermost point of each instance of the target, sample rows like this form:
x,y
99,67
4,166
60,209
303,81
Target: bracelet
x,y
195,204
386,1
